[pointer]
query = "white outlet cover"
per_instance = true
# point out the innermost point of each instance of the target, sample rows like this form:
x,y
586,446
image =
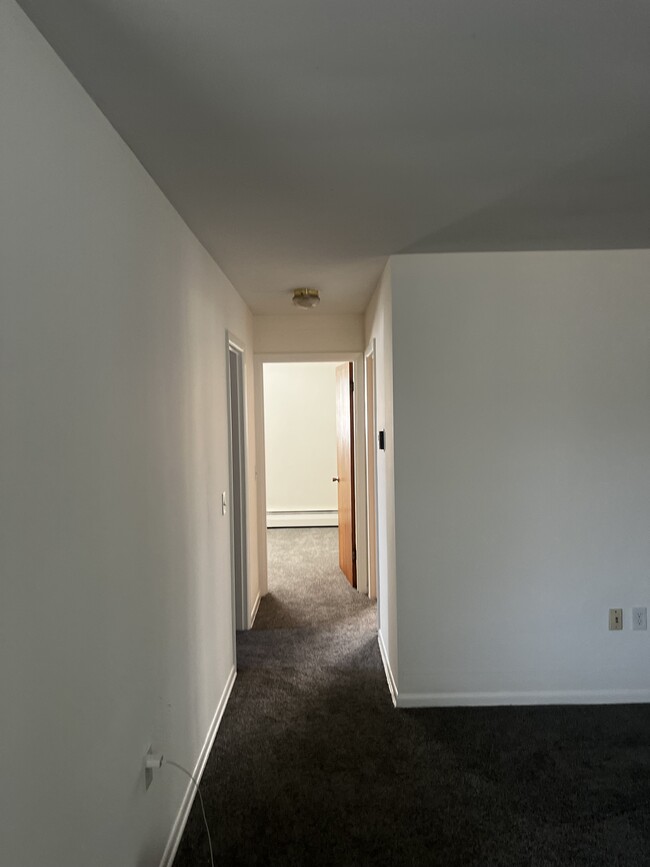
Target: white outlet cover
x,y
639,618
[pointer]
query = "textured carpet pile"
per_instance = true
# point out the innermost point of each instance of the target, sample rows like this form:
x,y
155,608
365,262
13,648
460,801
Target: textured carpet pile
x,y
313,765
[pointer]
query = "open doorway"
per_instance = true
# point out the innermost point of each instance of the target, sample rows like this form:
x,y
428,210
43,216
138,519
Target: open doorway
x,y
313,473
300,444
309,439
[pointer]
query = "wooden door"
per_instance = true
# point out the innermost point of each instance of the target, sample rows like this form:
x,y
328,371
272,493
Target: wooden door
x,y
345,470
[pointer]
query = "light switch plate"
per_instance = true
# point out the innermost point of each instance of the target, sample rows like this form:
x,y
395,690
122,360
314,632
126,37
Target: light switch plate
x,y
615,618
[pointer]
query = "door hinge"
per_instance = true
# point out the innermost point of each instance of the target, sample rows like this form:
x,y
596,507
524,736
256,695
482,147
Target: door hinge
x,y
351,386
354,556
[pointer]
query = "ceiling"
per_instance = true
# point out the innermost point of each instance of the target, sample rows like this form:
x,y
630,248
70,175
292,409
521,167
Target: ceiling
x,y
304,141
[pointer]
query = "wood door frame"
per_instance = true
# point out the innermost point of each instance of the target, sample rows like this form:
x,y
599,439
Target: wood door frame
x,y
370,407
357,359
240,612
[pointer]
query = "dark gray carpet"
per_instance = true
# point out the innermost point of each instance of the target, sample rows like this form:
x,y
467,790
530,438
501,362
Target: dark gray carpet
x,y
313,765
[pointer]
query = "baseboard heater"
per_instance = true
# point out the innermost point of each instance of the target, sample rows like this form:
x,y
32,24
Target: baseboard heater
x,y
312,518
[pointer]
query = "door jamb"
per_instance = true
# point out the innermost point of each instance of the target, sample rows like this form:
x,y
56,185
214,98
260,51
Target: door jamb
x,y
240,618
357,359
371,462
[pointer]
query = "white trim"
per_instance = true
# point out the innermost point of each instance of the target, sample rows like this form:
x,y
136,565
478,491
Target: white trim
x,y
240,612
392,686
260,476
190,792
360,486
310,518
371,352
497,699
256,607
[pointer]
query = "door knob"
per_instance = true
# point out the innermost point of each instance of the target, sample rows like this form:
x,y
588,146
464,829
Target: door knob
x,y
335,479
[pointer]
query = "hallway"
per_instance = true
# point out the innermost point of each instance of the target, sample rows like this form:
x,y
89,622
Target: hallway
x,y
312,764
306,587
292,763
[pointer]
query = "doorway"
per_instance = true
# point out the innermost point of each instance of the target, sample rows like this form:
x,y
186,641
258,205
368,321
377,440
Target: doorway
x,y
237,443
274,512
300,444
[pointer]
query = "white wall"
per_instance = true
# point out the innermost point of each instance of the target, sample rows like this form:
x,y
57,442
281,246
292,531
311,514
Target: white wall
x,y
300,429
308,331
378,325
115,614
522,474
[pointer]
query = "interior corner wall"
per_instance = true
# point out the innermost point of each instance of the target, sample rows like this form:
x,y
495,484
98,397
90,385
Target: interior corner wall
x,y
522,472
116,613
378,328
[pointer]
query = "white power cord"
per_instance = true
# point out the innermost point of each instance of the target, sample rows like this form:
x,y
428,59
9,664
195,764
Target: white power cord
x,y
156,760
198,791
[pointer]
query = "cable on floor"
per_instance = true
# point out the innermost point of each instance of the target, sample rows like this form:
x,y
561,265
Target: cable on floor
x,y
198,790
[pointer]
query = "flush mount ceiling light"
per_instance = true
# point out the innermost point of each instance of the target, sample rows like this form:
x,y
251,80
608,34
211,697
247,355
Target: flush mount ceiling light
x,y
306,297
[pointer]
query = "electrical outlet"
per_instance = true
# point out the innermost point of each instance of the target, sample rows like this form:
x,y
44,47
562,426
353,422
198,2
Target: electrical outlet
x,y
224,503
639,618
615,618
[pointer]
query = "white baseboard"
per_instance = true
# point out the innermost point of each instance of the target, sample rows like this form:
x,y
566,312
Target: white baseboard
x,y
312,518
497,699
190,793
256,608
389,674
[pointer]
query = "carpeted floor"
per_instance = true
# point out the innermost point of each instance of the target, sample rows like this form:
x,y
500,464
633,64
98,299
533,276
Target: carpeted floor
x,y
312,764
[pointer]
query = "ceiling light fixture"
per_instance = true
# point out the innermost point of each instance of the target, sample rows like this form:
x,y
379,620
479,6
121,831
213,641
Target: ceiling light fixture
x,y
306,297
